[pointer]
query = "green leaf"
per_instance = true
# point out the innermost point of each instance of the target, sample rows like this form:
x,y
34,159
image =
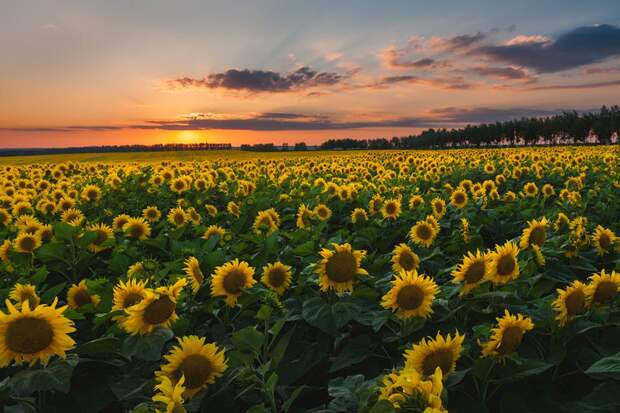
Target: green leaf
x,y
52,292
65,232
291,399
248,339
147,347
103,345
353,351
318,313
56,376
280,347
51,252
382,406
606,367
39,276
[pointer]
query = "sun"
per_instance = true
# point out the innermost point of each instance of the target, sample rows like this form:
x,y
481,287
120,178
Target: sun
x,y
189,136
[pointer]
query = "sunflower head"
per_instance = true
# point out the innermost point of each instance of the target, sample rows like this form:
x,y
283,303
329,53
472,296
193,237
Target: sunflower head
x,y
178,217
265,223
103,233
78,296
137,228
430,353
194,273
534,234
128,293
119,222
359,215
322,212
472,271
25,292
157,309
411,295
459,198
503,266
571,301
170,395
603,240
603,288
507,336
34,334
229,280
151,214
339,267
198,362
404,259
423,233
391,209
277,276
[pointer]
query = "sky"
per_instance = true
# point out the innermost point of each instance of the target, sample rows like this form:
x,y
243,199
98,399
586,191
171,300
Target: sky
x,y
81,73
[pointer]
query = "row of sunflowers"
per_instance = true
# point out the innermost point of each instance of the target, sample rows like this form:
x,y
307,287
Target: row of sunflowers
x,y
411,281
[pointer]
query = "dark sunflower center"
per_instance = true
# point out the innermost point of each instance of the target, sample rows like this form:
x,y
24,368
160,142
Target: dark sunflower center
x,y
27,243
322,212
159,310
575,303
196,273
92,195
441,358
410,297
29,335
506,265
277,276
234,281
511,339
438,208
179,219
390,209
406,261
102,236
341,267
459,198
151,213
197,370
121,223
136,231
605,291
132,299
475,272
538,236
604,241
82,298
424,232
179,185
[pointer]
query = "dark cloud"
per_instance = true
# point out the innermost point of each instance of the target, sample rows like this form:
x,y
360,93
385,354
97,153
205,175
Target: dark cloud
x,y
578,47
484,114
448,82
257,81
505,73
462,41
589,85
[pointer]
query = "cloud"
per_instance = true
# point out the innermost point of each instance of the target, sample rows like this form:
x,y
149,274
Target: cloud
x,y
569,86
485,114
448,82
458,43
578,47
261,81
504,73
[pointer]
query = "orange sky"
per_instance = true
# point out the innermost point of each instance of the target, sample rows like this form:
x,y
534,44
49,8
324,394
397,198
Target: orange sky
x,y
94,74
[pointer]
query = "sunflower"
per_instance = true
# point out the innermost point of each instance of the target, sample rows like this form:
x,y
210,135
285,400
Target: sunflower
x,y
179,185
170,395
214,231
404,259
439,207
45,232
423,233
193,272
5,217
415,201
104,233
503,266
25,292
27,223
27,243
571,301
530,189
230,279
211,210
178,217
603,287
471,271
5,247
534,234
157,309
137,228
277,276
264,223
304,216
338,269
199,362
459,198
151,213
322,212
359,215
507,336
194,216
548,190
429,353
91,193
78,296
31,335
465,229
127,294
233,209
391,209
72,216
119,222
411,295
603,239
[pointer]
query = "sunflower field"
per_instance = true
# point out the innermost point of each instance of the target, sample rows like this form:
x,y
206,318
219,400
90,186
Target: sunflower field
x,y
396,281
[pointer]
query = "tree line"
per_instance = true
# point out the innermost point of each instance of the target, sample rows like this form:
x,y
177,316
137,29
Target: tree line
x,y
203,146
567,128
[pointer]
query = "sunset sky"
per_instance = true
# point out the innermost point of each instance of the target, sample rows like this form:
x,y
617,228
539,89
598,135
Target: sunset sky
x,y
78,73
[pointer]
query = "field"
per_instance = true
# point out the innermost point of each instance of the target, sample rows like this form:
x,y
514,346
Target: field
x,y
409,281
